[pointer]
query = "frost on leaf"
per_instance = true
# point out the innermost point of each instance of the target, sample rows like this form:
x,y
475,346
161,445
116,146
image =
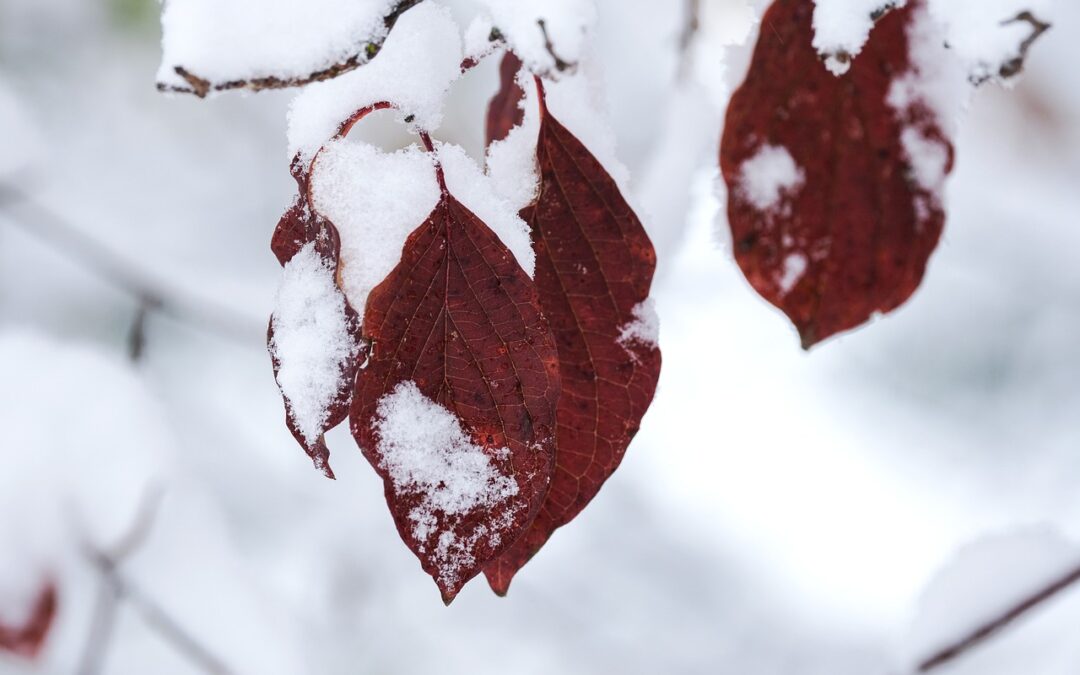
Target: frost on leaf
x,y
217,45
314,335
841,28
458,342
25,636
848,232
594,268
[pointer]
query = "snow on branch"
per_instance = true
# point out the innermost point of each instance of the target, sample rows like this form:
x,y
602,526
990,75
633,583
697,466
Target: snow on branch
x,y
216,45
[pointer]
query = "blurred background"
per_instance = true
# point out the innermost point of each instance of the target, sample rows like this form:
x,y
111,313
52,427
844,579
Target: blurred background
x,y
780,512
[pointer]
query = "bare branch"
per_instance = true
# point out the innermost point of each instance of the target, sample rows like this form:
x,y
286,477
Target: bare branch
x,y
994,626
201,86
150,291
1014,66
560,65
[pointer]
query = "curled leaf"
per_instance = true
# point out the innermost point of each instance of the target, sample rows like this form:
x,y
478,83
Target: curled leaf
x,y
314,335
505,111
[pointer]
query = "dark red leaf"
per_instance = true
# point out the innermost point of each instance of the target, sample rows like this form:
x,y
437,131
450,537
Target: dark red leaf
x,y
28,639
460,320
299,226
505,111
594,267
855,237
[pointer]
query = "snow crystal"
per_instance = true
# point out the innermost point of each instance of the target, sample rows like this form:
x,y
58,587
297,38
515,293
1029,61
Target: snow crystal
x,y
795,265
841,28
225,40
419,61
375,199
311,340
645,328
767,176
984,580
566,22
425,452
469,185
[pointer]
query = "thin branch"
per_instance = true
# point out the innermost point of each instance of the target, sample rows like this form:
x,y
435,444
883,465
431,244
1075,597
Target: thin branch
x,y
560,64
115,589
150,291
200,86
1013,66
690,29
994,626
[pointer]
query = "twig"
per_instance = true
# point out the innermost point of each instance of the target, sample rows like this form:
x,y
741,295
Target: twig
x,y
996,625
1013,66
115,589
151,292
560,65
200,86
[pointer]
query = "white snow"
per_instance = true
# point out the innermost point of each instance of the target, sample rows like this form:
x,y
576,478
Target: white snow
x,y
311,340
426,453
644,330
981,33
795,265
567,23
511,162
375,199
225,40
419,61
983,581
473,188
841,28
768,176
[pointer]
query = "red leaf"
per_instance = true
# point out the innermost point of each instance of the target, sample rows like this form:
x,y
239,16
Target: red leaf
x,y
28,639
505,111
299,226
594,267
457,323
854,236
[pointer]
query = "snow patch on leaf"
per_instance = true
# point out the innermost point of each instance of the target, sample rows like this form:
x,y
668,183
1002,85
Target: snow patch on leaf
x,y
430,458
477,192
842,27
312,341
644,330
770,175
511,162
414,70
375,199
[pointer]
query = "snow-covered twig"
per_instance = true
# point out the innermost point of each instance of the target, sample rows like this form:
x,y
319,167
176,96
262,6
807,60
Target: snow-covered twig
x,y
201,86
995,625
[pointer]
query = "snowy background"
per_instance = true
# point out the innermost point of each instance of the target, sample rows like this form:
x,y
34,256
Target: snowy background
x,y
780,511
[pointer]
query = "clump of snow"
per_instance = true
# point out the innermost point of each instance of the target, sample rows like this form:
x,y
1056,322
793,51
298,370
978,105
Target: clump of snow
x,y
511,162
311,343
473,188
226,40
984,34
419,61
644,330
567,22
768,176
426,453
478,42
841,28
936,82
984,580
375,199
795,265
